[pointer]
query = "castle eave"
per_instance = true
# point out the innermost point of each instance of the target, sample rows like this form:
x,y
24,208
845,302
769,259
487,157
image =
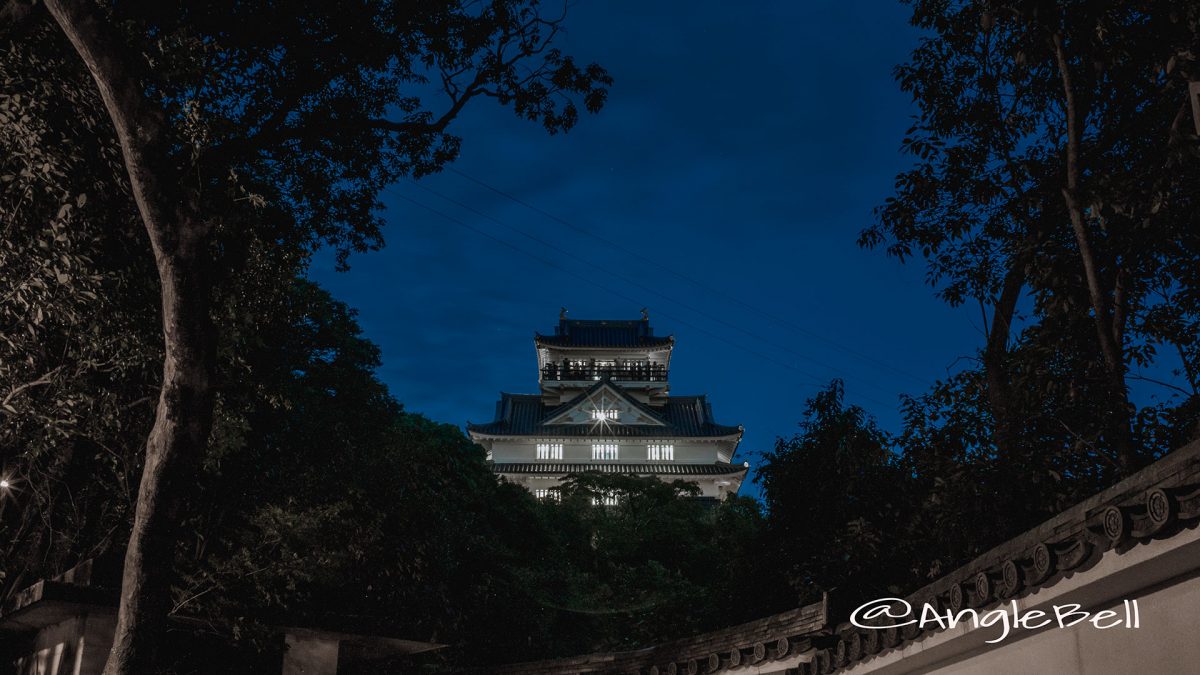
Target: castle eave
x,y
635,468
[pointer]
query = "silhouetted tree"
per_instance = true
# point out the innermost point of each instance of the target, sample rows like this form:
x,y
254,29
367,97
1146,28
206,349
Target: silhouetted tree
x,y
309,111
835,500
1053,187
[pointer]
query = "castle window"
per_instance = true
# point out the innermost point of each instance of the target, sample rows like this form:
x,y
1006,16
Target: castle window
x,y
605,499
547,493
604,451
602,367
606,415
549,450
660,452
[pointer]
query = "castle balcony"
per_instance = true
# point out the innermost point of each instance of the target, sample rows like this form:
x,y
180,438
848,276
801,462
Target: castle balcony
x,y
650,372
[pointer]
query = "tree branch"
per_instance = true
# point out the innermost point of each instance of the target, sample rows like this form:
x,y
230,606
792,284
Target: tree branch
x,y
438,126
1111,349
41,381
1099,301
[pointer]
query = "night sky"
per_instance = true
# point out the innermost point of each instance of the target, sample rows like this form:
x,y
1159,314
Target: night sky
x,y
743,147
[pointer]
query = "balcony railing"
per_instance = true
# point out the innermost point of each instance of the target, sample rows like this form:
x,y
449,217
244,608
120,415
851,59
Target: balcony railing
x,y
650,372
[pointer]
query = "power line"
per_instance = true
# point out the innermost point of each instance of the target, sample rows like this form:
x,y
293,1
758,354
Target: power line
x,y
643,287
762,312
820,381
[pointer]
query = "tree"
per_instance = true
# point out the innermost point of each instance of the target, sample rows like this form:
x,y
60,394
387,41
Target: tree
x,y
836,504
327,506
624,562
319,501
1052,187
309,113
77,323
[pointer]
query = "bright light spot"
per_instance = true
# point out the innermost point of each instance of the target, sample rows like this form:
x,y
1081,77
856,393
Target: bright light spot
x,y
3,484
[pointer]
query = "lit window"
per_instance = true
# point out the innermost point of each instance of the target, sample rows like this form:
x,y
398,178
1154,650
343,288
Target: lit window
x,y
604,451
547,493
606,415
605,499
549,450
660,452
601,367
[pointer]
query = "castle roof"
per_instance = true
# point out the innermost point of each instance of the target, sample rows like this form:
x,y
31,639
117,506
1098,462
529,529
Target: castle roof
x,y
679,416
603,333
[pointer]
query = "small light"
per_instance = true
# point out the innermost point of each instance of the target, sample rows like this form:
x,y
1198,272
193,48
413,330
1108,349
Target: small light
x,y
3,484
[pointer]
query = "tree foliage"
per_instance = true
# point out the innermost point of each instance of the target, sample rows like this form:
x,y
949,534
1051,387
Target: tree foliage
x,y
836,502
656,563
248,124
1054,164
1054,169
315,108
77,320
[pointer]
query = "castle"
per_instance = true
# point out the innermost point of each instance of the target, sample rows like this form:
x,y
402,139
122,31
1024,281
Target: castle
x,y
605,405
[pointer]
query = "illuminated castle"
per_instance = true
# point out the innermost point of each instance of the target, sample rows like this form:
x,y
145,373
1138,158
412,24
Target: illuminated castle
x,y
605,405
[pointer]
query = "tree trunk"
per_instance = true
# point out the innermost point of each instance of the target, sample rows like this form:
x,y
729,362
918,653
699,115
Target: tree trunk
x,y
994,356
183,418
1107,317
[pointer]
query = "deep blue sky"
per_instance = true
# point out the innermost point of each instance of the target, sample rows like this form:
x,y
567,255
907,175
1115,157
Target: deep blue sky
x,y
743,146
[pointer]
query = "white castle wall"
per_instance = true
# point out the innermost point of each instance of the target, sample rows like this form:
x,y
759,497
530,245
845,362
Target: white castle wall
x,y
580,451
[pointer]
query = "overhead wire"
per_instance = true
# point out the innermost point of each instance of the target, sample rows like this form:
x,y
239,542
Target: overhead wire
x,y
647,289
716,291
818,381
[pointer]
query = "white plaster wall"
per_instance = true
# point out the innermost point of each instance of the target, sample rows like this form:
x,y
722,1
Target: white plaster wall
x,y
1165,644
75,646
1162,575
660,356
576,450
310,655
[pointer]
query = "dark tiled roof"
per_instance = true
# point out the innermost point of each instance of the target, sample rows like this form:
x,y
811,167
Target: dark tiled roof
x,y
525,415
775,635
717,469
603,333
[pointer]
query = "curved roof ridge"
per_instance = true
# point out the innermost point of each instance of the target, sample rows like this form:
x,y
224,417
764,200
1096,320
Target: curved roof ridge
x,y
603,333
526,414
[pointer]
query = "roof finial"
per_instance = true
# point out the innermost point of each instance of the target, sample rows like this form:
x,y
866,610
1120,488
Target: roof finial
x,y
562,313
645,314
